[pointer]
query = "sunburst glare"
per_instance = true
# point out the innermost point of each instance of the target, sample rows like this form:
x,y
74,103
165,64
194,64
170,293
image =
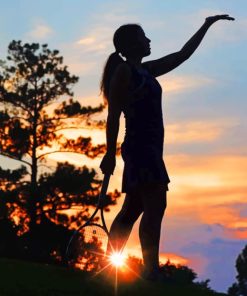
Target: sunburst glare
x,y
117,259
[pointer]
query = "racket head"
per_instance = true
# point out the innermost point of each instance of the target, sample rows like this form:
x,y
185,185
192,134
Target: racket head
x,y
87,247
89,242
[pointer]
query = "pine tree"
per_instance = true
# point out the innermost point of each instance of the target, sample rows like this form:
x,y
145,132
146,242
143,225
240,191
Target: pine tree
x,y
36,106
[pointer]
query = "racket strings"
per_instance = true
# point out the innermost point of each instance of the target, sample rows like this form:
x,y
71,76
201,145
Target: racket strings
x,y
95,234
90,242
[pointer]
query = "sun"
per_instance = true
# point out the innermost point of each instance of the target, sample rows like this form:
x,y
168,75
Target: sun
x,y
117,259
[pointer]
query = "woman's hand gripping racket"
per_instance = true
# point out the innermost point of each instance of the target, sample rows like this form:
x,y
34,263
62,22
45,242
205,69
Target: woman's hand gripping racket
x,y
89,242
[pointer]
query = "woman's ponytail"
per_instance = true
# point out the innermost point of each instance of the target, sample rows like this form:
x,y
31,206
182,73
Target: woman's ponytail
x,y
111,64
123,40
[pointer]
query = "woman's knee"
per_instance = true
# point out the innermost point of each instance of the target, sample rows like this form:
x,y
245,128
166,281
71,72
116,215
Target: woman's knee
x,y
154,197
151,222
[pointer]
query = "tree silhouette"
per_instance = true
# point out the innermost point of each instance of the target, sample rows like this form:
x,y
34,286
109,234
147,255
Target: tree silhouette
x,y
240,288
179,275
11,192
36,107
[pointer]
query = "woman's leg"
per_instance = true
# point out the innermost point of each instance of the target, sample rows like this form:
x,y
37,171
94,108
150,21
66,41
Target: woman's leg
x,y
122,225
154,203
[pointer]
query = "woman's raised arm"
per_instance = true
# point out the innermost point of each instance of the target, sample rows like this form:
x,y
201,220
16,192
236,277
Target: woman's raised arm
x,y
167,63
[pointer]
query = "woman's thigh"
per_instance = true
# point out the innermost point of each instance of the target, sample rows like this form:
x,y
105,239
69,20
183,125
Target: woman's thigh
x,y
132,206
154,198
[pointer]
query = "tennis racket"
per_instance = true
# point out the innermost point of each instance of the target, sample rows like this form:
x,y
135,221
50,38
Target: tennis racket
x,y
89,242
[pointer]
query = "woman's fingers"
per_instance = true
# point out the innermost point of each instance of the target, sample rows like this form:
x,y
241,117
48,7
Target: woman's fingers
x,y
215,18
226,17
230,18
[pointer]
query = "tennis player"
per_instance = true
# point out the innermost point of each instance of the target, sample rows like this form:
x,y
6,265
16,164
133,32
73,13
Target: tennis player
x,y
130,86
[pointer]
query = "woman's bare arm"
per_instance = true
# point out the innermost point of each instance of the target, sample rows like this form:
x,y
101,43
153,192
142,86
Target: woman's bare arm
x,y
117,95
167,63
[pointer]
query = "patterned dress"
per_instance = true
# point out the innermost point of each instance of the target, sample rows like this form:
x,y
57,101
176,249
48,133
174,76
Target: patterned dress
x,y
142,148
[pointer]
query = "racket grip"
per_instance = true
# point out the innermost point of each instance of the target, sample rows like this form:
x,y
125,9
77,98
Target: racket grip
x,y
104,187
105,184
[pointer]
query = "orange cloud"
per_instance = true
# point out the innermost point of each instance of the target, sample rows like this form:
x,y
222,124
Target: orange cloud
x,y
205,188
197,131
239,234
207,180
97,40
223,165
164,257
177,84
173,258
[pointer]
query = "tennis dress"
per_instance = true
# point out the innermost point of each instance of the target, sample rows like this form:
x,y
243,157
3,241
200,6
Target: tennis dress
x,y
142,148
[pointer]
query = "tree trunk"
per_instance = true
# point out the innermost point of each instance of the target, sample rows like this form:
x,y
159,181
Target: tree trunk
x,y
33,198
33,195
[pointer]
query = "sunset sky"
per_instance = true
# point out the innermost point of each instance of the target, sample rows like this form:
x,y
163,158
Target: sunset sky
x,y
204,110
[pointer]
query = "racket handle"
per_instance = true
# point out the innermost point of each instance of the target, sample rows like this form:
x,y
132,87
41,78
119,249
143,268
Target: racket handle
x,y
104,187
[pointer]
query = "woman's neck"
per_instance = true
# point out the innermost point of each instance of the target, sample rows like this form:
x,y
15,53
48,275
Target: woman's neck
x,y
135,62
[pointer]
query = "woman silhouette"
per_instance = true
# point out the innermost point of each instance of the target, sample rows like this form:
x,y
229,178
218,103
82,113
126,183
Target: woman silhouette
x,y
129,86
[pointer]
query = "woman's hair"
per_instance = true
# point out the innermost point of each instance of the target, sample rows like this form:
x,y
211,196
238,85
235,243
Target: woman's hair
x,y
123,39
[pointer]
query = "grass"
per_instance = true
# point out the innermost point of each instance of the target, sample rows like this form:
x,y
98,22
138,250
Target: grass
x,y
19,278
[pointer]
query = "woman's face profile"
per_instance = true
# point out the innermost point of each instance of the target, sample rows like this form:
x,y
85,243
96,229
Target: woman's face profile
x,y
143,43
140,47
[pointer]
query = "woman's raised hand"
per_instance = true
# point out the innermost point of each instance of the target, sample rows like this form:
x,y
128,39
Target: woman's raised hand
x,y
215,18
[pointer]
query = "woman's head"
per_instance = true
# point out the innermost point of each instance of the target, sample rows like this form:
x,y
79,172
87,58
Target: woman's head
x,y
131,42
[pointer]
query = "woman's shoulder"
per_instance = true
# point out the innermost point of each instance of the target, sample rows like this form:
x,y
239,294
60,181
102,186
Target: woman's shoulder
x,y
122,74
123,70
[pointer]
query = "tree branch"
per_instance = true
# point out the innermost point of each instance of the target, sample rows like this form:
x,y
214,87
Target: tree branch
x,y
73,127
57,151
15,158
18,117
22,107
62,118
